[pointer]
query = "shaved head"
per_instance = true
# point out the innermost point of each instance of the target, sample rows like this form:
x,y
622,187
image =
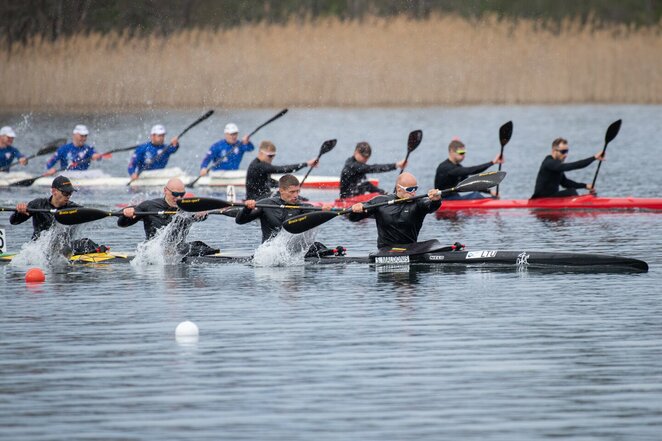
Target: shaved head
x,y
175,184
406,180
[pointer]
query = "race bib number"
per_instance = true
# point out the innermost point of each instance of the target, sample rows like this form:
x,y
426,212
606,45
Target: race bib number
x,y
3,244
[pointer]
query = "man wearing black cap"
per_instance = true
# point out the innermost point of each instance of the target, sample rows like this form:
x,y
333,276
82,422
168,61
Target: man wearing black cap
x,y
61,191
353,181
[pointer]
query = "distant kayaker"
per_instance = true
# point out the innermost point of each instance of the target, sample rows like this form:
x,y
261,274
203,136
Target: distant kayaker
x,y
172,192
227,153
61,191
258,176
7,151
76,155
551,175
399,224
451,172
353,180
153,155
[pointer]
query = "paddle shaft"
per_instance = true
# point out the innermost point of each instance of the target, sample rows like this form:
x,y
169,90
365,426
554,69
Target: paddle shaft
x,y
505,133
45,150
611,133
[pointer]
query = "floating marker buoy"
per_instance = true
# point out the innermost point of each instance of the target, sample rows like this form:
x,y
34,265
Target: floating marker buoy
x,y
35,275
187,330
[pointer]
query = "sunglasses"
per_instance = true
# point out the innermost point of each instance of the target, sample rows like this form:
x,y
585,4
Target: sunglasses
x,y
66,193
177,194
271,155
460,152
411,189
563,151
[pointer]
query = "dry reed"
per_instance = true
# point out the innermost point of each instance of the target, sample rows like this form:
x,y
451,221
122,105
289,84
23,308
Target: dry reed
x,y
377,62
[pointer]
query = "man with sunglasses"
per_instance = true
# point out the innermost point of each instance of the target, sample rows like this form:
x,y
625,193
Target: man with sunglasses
x,y
551,175
353,180
61,191
153,155
399,224
258,176
227,153
451,172
76,155
172,192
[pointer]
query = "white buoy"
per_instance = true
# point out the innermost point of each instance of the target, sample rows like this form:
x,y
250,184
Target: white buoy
x,y
187,331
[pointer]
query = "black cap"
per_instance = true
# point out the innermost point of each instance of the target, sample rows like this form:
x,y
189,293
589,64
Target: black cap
x,y
63,183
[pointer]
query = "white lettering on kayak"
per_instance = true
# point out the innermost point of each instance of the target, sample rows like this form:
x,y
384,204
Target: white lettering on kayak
x,y
392,259
522,259
433,257
480,254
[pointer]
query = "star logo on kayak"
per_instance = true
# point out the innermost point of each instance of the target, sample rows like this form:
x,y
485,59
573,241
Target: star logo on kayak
x,y
522,259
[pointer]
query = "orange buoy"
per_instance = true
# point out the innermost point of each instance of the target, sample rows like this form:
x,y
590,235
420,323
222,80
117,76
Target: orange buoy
x,y
35,275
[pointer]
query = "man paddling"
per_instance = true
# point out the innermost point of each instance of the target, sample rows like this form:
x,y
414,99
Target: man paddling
x,y
258,176
451,172
76,155
61,191
153,155
353,180
172,192
399,224
227,153
551,175
7,151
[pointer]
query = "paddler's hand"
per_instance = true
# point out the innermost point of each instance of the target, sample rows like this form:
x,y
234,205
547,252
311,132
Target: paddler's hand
x,y
401,164
50,172
203,172
134,176
97,156
23,161
174,141
357,208
590,188
327,207
599,156
129,212
200,215
434,194
312,163
245,140
498,159
22,208
250,203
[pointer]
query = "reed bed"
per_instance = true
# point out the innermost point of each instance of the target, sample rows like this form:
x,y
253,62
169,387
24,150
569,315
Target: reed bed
x,y
445,60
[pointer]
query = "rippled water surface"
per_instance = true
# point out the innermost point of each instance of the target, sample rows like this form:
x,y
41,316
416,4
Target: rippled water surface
x,y
348,352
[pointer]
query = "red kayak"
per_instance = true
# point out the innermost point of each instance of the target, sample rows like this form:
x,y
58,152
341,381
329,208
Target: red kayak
x,y
584,202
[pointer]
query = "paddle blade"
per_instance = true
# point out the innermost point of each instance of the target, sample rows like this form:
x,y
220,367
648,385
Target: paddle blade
x,y
308,221
414,140
505,132
612,131
327,146
81,215
202,204
480,182
24,182
51,147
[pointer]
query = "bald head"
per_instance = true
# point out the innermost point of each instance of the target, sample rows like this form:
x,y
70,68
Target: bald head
x,y
173,191
406,179
175,184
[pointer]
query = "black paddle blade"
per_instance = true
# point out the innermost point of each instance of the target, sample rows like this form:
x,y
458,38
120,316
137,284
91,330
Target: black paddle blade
x,y
327,146
612,131
81,215
414,140
308,221
505,133
24,182
479,182
51,147
202,204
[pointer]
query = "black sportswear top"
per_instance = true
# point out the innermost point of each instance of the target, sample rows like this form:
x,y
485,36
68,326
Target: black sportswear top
x,y
354,172
40,221
258,177
398,224
271,219
449,175
154,222
551,175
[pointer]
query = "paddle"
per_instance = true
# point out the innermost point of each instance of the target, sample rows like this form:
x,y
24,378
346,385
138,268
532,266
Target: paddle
x,y
326,147
505,132
81,215
27,182
219,160
189,127
612,131
45,150
413,141
305,222
208,204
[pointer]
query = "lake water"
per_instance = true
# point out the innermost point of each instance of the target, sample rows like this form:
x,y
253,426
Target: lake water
x,y
347,352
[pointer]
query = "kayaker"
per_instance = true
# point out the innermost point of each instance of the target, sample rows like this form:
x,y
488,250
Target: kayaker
x,y
172,192
227,153
353,180
153,155
258,176
76,155
7,151
551,175
399,224
271,219
451,172
61,191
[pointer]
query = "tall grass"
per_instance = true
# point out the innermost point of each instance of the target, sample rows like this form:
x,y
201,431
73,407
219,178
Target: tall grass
x,y
376,62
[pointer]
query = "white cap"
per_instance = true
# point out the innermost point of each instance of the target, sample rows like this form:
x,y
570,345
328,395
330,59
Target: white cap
x,y
81,130
231,128
158,130
7,131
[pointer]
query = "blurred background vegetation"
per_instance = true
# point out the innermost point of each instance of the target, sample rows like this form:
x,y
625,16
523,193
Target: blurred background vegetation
x,y
52,19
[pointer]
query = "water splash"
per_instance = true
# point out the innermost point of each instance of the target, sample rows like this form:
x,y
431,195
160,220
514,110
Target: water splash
x,y
284,249
49,249
162,249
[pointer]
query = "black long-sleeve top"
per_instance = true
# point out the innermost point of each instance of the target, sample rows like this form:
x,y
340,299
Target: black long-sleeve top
x,y
40,221
448,174
551,175
258,177
354,172
154,222
400,223
271,219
